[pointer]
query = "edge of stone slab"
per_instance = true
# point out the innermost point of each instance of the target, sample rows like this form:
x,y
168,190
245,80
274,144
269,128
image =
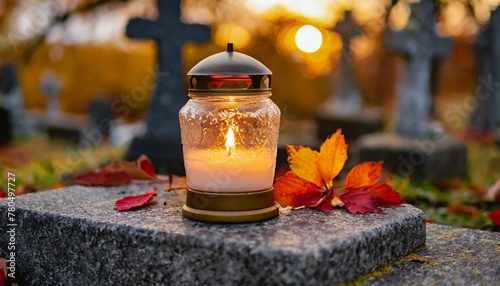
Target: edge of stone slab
x,y
292,266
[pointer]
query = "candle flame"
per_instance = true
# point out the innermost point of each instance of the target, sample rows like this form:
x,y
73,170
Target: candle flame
x,y
230,141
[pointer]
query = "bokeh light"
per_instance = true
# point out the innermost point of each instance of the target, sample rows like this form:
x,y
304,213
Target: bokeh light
x,y
308,39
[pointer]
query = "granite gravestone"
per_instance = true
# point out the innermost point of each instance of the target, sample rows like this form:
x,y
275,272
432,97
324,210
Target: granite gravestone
x,y
414,150
162,141
156,245
344,108
486,116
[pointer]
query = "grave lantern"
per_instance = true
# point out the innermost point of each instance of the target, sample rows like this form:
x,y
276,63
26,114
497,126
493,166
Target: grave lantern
x,y
229,131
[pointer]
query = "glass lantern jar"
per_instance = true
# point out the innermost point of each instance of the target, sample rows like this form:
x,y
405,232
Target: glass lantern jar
x,y
229,132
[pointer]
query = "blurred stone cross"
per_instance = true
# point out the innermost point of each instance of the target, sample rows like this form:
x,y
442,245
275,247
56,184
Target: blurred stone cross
x,y
51,86
421,43
486,115
344,108
162,141
346,99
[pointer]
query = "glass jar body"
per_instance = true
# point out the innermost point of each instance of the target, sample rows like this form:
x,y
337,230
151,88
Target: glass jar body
x,y
230,142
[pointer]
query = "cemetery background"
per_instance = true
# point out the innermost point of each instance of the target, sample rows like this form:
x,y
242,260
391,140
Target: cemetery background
x,y
81,45
73,63
94,59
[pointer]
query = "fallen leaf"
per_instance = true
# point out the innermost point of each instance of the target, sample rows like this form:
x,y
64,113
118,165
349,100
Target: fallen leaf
x,y
332,157
130,202
102,177
130,168
3,271
289,186
176,182
385,195
326,206
302,162
25,189
463,209
495,217
359,201
146,165
363,175
306,199
480,191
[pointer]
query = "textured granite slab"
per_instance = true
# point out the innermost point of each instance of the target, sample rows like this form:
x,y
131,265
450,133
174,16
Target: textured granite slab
x,y
452,256
74,237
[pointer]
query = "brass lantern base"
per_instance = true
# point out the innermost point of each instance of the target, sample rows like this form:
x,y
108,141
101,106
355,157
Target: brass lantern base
x,y
230,207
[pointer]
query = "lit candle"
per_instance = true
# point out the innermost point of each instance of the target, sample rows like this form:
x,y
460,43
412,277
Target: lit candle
x,y
229,170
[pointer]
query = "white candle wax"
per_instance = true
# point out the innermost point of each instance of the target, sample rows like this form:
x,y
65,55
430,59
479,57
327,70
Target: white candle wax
x,y
234,171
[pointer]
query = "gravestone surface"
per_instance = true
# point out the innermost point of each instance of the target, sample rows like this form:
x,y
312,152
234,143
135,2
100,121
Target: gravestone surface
x,y
416,150
344,108
162,141
451,256
74,237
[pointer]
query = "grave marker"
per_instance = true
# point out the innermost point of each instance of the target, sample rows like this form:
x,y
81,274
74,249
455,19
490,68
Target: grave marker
x,y
486,116
344,108
162,141
421,43
414,151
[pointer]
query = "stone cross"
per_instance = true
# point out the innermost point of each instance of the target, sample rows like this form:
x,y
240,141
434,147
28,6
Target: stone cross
x,y
486,115
170,34
480,119
51,85
162,141
346,99
421,43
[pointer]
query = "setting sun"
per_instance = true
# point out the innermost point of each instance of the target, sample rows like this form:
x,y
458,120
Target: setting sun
x,y
308,39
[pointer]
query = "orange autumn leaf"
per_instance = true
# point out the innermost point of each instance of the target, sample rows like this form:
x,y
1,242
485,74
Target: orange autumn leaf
x,y
363,175
288,187
302,161
332,157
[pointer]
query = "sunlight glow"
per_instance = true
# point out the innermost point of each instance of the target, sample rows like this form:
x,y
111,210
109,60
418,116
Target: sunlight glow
x,y
308,39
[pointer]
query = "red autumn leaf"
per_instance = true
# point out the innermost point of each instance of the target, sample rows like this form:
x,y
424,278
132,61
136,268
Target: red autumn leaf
x,y
306,199
130,202
363,175
3,195
326,205
146,165
463,209
359,201
3,271
385,195
103,177
130,168
495,217
289,186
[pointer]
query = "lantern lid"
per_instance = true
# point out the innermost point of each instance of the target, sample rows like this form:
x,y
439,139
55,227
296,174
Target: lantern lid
x,y
229,72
